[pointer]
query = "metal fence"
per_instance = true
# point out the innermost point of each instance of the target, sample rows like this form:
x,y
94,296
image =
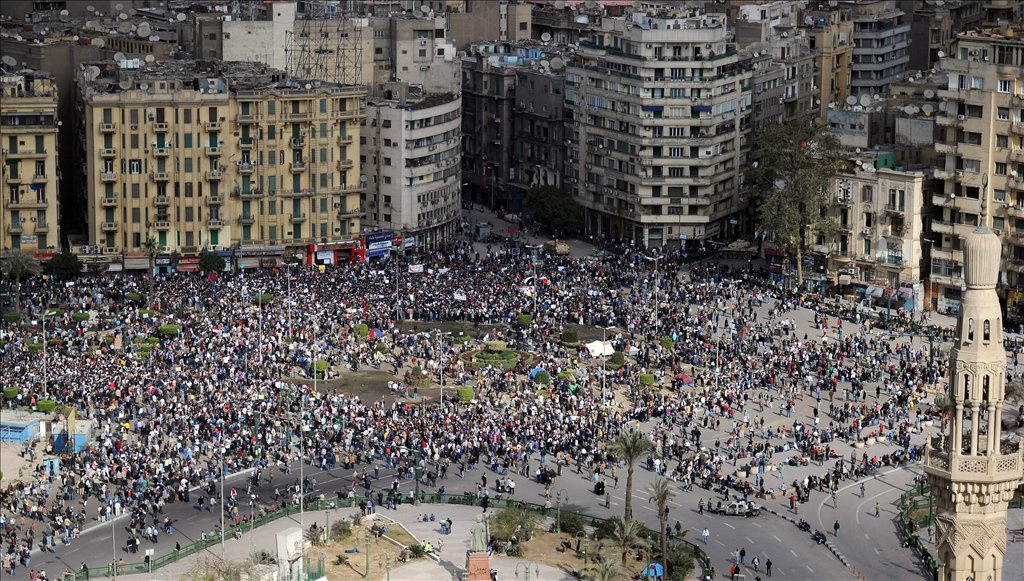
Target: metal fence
x,y
315,570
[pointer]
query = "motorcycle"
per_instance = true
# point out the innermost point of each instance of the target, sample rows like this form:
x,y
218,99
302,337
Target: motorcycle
x,y
804,525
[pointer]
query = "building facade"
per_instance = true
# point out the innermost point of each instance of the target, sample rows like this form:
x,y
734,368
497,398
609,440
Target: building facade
x,y
881,33
221,156
29,202
488,94
538,130
981,136
412,162
830,33
660,108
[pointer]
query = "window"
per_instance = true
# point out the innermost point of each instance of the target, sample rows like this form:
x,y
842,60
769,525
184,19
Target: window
x,y
135,191
1005,86
978,83
188,189
188,165
186,115
134,166
136,215
189,214
271,107
1000,168
1002,141
1003,113
971,165
522,26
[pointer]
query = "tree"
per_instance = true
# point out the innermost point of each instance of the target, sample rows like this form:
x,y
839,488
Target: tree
x,y
65,266
605,571
794,168
18,265
661,494
626,535
630,446
555,209
210,262
150,247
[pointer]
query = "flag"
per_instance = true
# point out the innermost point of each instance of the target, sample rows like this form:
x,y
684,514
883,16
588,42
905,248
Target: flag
x,y
460,296
416,268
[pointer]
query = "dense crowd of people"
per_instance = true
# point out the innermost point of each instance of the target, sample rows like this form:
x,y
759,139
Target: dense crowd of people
x,y
169,414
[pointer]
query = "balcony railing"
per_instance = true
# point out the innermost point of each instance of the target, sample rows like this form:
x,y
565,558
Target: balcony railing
x,y
108,176
108,127
108,152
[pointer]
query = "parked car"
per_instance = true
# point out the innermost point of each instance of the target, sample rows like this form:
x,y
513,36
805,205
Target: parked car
x,y
738,508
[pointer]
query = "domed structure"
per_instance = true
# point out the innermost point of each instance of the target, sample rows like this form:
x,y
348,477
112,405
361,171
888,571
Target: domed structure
x,y
982,252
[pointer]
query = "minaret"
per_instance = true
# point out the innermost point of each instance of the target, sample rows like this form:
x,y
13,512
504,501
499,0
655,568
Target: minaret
x,y
972,473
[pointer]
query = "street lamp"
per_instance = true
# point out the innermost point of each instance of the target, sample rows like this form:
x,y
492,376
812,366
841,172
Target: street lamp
x,y
560,496
527,568
657,283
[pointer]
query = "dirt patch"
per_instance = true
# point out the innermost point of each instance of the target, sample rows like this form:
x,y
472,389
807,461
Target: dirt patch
x,y
382,552
543,548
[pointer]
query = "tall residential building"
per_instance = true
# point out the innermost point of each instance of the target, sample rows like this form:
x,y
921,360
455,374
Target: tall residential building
x,y
981,135
488,96
830,33
881,31
413,50
538,128
934,28
412,163
29,207
205,155
660,108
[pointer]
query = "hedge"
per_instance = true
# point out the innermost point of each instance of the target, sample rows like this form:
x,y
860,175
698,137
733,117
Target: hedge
x,y
135,297
35,347
565,375
617,358
542,377
153,340
80,316
170,329
570,336
361,330
320,368
12,317
496,345
465,394
646,379
264,298
147,312
524,320
54,312
46,405
146,347
10,392
666,343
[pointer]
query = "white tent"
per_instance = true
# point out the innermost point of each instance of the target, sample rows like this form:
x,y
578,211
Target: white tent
x,y
600,348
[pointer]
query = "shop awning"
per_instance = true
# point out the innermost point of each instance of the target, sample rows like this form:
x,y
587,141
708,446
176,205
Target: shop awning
x,y
874,291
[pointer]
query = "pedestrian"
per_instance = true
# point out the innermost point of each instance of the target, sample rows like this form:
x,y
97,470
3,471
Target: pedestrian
x,y
756,563
705,534
878,509
743,554
835,499
768,567
700,507
835,527
862,490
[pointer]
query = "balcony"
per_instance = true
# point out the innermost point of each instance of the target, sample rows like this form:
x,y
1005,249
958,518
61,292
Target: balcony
x,y
895,209
214,176
949,120
297,142
297,116
344,164
14,228
249,118
353,213
215,223
946,148
297,218
1017,128
108,176
108,152
344,140
108,127
162,224
38,153
940,463
39,178
212,150
246,144
248,195
110,202
351,114
215,199
160,127
162,200
298,166
246,168
1017,155
159,176
212,126
246,219
161,151
109,226
42,227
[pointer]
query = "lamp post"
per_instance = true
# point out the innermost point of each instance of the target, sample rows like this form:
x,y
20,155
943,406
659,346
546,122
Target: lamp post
x,y
657,283
527,568
560,496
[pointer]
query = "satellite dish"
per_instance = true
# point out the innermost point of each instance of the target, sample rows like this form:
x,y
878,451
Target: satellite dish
x,y
9,60
124,27
557,63
154,38
64,12
362,178
876,97
928,109
865,100
75,38
181,17
559,4
582,20
851,100
119,56
940,54
119,7
913,110
144,86
90,8
425,9
122,16
545,37
90,24
124,85
99,42
928,93
868,167
545,64
143,32
150,58
308,86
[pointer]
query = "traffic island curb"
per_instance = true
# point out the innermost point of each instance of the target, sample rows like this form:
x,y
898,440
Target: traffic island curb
x,y
828,544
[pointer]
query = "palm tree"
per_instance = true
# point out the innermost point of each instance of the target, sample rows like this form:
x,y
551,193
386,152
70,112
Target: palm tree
x,y
661,494
18,265
150,247
627,535
630,446
605,571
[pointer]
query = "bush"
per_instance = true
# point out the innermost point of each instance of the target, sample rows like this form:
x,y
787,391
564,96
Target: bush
x,y
605,529
666,343
416,551
465,394
565,375
10,392
570,336
46,406
320,367
264,298
153,340
495,346
170,329
572,523
54,312
617,358
524,320
362,330
515,551
341,559
146,347
35,347
341,529
12,317
646,379
79,317
135,297
542,377
512,522
147,313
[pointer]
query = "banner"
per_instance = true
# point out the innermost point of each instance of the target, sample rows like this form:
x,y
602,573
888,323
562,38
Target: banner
x,y
460,296
416,268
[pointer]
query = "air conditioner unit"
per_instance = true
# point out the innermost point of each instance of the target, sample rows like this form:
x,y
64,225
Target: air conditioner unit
x,y
865,231
135,126
960,117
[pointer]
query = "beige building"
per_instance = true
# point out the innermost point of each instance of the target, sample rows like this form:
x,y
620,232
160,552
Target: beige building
x,y
830,33
412,161
29,208
202,156
981,136
881,34
660,106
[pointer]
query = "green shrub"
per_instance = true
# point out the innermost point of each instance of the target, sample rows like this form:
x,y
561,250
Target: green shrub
x,y
542,377
147,313
465,394
570,336
264,298
153,340
416,551
496,346
666,343
46,406
572,523
12,317
605,529
146,347
10,392
566,375
170,329
320,368
54,312
80,316
515,551
341,529
646,379
35,347
135,297
512,522
524,320
362,330
617,358
340,559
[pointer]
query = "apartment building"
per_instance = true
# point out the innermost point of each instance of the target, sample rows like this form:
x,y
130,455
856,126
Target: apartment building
x,y
215,156
879,243
830,35
413,50
982,138
488,96
412,162
660,106
29,205
881,31
934,28
538,128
